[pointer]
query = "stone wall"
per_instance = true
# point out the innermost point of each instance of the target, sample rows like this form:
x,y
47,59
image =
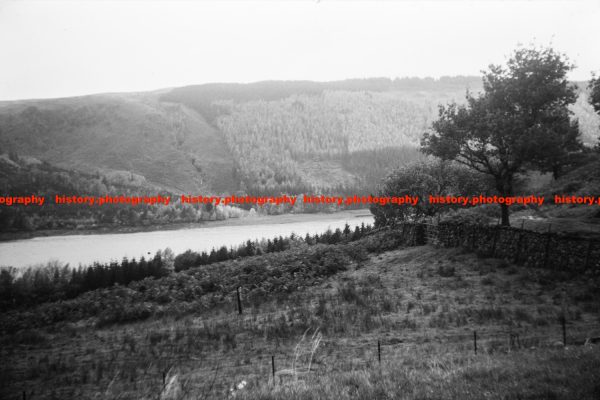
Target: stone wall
x,y
542,250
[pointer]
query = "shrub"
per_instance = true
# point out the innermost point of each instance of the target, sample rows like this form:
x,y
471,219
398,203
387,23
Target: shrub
x,y
122,313
349,294
488,280
27,337
446,271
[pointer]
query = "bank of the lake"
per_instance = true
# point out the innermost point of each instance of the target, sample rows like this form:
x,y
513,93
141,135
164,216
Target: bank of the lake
x,y
86,247
111,229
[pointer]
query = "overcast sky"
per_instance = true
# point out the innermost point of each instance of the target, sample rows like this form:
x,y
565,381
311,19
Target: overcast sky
x,y
60,48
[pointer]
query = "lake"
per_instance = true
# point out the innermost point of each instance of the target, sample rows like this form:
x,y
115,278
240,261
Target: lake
x,y
85,249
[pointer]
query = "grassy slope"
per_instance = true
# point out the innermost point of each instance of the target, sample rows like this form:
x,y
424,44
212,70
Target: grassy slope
x,y
130,132
421,303
583,180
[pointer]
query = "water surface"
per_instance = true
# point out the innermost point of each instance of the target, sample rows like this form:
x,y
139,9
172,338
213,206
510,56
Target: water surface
x,y
85,249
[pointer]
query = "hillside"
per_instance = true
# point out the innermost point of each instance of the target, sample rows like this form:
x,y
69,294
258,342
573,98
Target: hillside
x,y
168,144
198,138
26,175
312,136
263,138
181,337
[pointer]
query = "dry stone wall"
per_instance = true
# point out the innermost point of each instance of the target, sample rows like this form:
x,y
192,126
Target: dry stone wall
x,y
535,249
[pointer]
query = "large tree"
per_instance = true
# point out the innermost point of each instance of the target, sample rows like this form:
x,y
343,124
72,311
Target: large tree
x,y
520,121
594,98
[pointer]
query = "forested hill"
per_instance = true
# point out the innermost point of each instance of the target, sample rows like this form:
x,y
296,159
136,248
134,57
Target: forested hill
x,y
265,137
166,143
341,136
203,97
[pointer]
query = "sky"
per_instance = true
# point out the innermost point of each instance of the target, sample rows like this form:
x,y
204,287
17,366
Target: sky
x,y
52,49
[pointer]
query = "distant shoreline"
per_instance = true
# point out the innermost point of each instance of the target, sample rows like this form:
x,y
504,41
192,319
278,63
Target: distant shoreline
x,y
253,220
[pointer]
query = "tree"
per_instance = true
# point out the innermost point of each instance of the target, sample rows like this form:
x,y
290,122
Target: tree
x,y
185,260
347,230
594,98
167,261
519,122
429,177
250,248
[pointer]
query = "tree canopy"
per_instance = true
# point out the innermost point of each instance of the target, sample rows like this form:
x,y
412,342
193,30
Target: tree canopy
x,y
594,98
520,121
428,177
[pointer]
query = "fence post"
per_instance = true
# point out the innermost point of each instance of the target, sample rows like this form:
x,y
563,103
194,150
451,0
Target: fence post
x,y
24,395
496,233
512,341
519,243
164,376
239,301
563,320
273,367
547,249
475,341
379,351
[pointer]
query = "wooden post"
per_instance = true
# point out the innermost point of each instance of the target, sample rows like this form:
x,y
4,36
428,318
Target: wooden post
x,y
24,395
496,233
164,379
379,351
563,320
273,367
475,341
522,224
239,300
512,341
518,253
547,250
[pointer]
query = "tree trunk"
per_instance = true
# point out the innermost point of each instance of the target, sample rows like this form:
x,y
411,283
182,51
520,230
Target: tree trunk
x,y
505,219
555,172
504,186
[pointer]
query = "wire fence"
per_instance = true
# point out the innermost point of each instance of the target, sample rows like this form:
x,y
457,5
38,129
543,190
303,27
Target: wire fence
x,y
153,365
273,367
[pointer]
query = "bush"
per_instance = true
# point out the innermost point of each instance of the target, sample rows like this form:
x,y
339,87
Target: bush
x,y
123,313
470,216
488,281
446,271
26,337
350,294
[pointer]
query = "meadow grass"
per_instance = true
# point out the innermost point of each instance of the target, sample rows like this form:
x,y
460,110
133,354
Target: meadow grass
x,y
421,304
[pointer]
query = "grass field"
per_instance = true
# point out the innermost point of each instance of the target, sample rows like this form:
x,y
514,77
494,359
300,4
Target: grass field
x,y
422,305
